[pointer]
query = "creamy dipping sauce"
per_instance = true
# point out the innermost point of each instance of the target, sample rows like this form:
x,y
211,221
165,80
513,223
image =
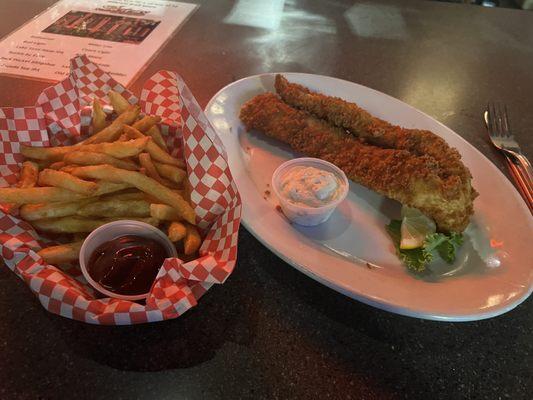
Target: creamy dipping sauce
x,y
310,186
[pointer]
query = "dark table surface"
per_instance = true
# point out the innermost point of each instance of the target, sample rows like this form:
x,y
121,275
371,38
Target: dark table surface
x,y
270,331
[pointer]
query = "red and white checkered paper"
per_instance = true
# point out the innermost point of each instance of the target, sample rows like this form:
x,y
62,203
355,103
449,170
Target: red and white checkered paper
x,y
62,116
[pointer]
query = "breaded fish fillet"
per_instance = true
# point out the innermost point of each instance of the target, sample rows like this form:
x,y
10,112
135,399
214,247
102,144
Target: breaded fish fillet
x,y
376,131
412,180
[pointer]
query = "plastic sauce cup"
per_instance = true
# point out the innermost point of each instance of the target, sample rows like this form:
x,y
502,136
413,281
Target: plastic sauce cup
x,y
115,230
305,215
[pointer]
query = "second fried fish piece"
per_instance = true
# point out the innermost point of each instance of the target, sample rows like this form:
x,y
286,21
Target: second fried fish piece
x,y
374,130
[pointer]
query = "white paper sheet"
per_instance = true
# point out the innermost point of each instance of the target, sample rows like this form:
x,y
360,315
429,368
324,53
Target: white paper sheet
x,y
121,36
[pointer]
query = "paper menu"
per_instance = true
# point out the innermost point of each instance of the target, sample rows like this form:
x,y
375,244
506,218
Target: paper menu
x,y
122,36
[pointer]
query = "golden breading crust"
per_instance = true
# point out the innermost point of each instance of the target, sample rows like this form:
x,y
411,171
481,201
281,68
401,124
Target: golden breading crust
x,y
376,131
414,180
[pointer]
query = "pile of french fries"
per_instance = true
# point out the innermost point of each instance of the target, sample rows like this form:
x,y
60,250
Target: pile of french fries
x,y
122,171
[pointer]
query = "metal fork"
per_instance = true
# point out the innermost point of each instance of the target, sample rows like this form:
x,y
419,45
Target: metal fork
x,y
499,130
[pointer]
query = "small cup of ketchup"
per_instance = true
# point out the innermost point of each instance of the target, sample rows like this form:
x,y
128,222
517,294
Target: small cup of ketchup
x,y
121,259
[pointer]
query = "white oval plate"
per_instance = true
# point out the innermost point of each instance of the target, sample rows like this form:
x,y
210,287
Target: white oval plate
x,y
493,272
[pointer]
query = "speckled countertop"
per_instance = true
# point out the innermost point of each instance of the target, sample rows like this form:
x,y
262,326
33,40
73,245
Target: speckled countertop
x,y
270,332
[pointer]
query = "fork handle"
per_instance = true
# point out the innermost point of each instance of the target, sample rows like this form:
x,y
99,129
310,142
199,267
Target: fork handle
x,y
520,178
524,169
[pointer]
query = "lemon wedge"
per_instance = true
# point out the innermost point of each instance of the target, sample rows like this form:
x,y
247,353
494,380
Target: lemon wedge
x,y
415,227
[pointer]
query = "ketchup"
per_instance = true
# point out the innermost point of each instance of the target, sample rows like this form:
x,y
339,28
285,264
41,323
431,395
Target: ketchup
x,y
127,265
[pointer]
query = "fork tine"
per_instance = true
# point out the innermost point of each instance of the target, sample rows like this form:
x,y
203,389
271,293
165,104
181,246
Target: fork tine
x,y
498,119
499,116
490,109
506,126
494,120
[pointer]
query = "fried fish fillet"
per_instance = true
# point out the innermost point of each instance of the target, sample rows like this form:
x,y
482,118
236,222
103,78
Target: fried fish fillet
x,y
415,180
376,131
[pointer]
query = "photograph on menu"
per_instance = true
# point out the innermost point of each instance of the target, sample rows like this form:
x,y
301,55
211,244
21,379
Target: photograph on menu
x,y
113,28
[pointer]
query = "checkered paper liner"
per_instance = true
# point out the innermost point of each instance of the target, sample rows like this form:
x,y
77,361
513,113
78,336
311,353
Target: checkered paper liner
x,y
61,116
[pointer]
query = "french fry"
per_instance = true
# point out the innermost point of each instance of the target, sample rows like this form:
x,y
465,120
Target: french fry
x,y
99,117
105,187
42,164
68,168
182,193
130,148
116,208
148,165
118,149
171,172
181,164
28,174
164,212
63,253
79,236
114,130
147,125
51,177
153,200
176,231
170,184
67,224
137,195
92,158
141,182
79,224
37,194
187,190
156,136
146,122
156,152
118,102
192,240
32,212
58,165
